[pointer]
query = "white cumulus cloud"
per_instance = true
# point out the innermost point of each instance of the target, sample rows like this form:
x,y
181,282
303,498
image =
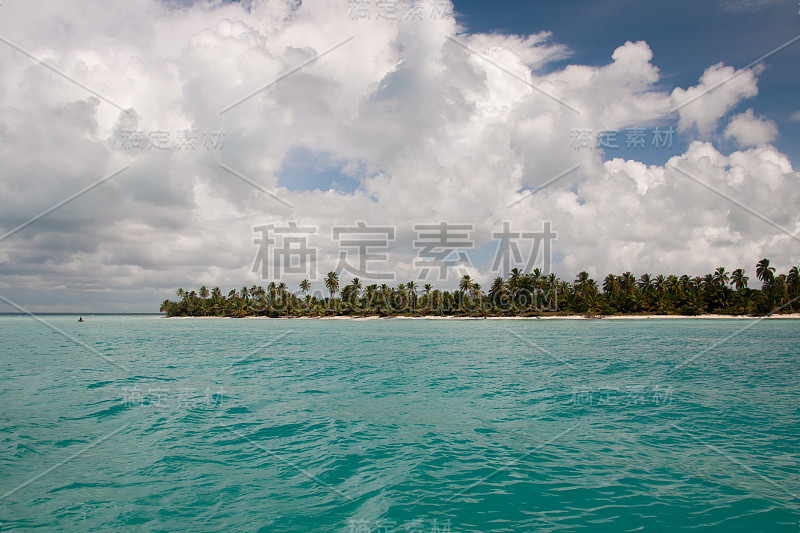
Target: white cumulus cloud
x,y
720,89
748,130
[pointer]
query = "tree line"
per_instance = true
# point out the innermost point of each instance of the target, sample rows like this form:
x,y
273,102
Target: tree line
x,y
518,294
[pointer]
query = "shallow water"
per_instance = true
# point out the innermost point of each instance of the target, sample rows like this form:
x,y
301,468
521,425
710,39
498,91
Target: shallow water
x,y
399,425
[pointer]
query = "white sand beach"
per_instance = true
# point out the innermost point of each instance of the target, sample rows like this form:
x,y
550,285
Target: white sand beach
x,y
565,317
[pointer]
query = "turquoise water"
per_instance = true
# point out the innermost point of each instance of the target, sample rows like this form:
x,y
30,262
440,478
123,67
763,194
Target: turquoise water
x,y
399,425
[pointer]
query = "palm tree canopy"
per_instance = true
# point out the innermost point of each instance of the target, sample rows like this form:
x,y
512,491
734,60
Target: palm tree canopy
x,y
739,279
764,272
332,282
518,293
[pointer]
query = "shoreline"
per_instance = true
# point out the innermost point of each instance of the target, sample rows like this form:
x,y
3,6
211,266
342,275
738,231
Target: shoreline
x,y
789,316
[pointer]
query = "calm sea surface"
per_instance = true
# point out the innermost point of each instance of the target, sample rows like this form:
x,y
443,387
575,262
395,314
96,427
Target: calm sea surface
x,y
399,425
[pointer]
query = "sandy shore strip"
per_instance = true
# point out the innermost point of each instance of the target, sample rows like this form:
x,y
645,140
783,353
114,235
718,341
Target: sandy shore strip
x,y
550,317
566,317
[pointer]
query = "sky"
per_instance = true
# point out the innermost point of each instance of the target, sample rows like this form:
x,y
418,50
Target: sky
x,y
147,146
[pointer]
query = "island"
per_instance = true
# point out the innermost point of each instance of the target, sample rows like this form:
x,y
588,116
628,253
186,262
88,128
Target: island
x,y
520,294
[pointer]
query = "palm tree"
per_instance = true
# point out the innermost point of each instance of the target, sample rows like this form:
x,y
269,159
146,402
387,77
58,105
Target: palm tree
x,y
684,283
475,290
739,280
645,283
513,281
412,291
282,290
332,283
180,293
764,272
660,283
672,284
593,302
610,285
552,287
721,277
262,294
216,297
427,297
412,288
353,291
203,292
581,282
476,294
497,289
369,294
628,282
347,293
695,283
464,286
591,286
536,277
793,286
305,286
357,286
780,286
694,303
793,280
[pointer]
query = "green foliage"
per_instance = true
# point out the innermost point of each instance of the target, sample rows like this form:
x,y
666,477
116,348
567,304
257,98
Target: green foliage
x,y
520,294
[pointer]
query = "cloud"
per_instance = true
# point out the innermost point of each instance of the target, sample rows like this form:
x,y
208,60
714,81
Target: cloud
x,y
748,130
427,129
720,89
795,117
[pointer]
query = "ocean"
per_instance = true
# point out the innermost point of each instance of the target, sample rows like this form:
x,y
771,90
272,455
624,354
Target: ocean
x,y
141,423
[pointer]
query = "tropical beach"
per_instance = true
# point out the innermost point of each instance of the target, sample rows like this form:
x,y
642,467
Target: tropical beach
x,y
520,295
